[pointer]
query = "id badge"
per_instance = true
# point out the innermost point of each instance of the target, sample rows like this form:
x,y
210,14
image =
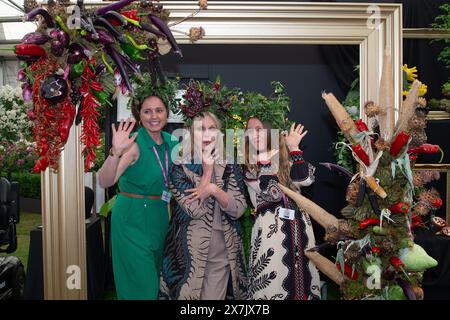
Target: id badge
x,y
285,213
166,196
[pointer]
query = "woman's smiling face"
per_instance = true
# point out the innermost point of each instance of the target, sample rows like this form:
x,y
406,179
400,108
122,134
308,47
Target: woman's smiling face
x,y
153,114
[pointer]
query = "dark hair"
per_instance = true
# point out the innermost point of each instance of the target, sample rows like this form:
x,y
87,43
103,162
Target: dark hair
x,y
136,108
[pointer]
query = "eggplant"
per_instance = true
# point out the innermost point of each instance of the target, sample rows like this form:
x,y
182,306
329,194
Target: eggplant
x,y
102,22
89,26
44,13
116,16
134,68
27,58
332,166
361,193
374,203
119,62
61,36
77,52
57,48
159,23
116,6
99,69
27,92
21,76
104,37
35,38
149,28
407,289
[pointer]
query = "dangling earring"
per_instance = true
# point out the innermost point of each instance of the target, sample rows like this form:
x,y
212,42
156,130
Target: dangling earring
x,y
140,123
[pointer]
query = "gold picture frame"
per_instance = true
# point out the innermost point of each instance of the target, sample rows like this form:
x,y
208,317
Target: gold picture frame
x,y
440,168
373,27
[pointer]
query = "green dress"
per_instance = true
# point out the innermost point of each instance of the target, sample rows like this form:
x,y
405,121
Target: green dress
x,y
139,226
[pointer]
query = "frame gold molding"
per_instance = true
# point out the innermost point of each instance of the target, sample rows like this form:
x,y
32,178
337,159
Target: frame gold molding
x,y
225,22
438,115
440,168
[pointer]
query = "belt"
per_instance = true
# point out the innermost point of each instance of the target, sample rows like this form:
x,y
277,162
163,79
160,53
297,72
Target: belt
x,y
140,196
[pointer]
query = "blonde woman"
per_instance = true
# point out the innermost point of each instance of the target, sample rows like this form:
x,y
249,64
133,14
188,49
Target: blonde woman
x,y
203,251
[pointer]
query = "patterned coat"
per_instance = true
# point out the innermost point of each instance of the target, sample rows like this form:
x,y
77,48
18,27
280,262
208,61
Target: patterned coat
x,y
278,268
188,239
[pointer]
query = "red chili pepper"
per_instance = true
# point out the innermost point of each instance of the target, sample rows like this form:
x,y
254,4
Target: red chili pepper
x,y
348,271
41,165
131,14
66,124
362,155
416,221
368,222
397,263
425,148
376,251
361,125
400,207
29,49
397,145
437,203
413,157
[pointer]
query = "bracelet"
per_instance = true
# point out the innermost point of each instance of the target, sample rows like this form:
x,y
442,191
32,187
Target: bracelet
x,y
112,154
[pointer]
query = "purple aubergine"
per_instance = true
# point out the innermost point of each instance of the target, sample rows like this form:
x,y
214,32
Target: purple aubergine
x,y
102,22
99,69
159,23
332,166
21,76
27,92
44,13
133,67
374,203
27,58
87,24
119,62
116,16
56,47
361,193
407,289
35,38
61,36
104,37
77,52
116,6
150,29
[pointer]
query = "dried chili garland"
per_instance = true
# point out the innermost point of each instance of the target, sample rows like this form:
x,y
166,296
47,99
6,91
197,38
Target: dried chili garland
x,y
48,118
89,113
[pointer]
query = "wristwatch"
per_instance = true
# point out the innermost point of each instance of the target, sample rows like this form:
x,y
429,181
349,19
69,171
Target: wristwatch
x,y
112,154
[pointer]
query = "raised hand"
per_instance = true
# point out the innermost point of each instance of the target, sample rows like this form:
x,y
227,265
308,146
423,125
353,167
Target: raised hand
x,y
295,136
121,140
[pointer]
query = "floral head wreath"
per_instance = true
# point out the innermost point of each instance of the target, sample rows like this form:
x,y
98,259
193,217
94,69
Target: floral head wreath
x,y
273,109
201,97
166,91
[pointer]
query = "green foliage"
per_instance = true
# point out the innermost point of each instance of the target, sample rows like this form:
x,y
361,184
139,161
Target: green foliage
x,y
17,156
442,22
29,183
107,206
272,109
166,92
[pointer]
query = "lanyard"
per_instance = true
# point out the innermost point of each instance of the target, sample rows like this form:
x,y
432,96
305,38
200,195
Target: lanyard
x,y
166,181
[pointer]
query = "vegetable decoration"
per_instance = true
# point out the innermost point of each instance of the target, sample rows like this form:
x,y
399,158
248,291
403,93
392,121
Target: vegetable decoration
x,y
60,59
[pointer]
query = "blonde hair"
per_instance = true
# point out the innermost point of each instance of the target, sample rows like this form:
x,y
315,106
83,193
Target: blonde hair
x,y
188,144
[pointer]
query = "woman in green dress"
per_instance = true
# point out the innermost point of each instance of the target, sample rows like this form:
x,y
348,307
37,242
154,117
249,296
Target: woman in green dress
x,y
139,162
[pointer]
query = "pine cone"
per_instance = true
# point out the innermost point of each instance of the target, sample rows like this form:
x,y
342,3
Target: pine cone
x,y
371,109
387,245
352,193
417,179
416,123
332,235
428,196
418,138
345,228
381,144
29,5
421,209
352,254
